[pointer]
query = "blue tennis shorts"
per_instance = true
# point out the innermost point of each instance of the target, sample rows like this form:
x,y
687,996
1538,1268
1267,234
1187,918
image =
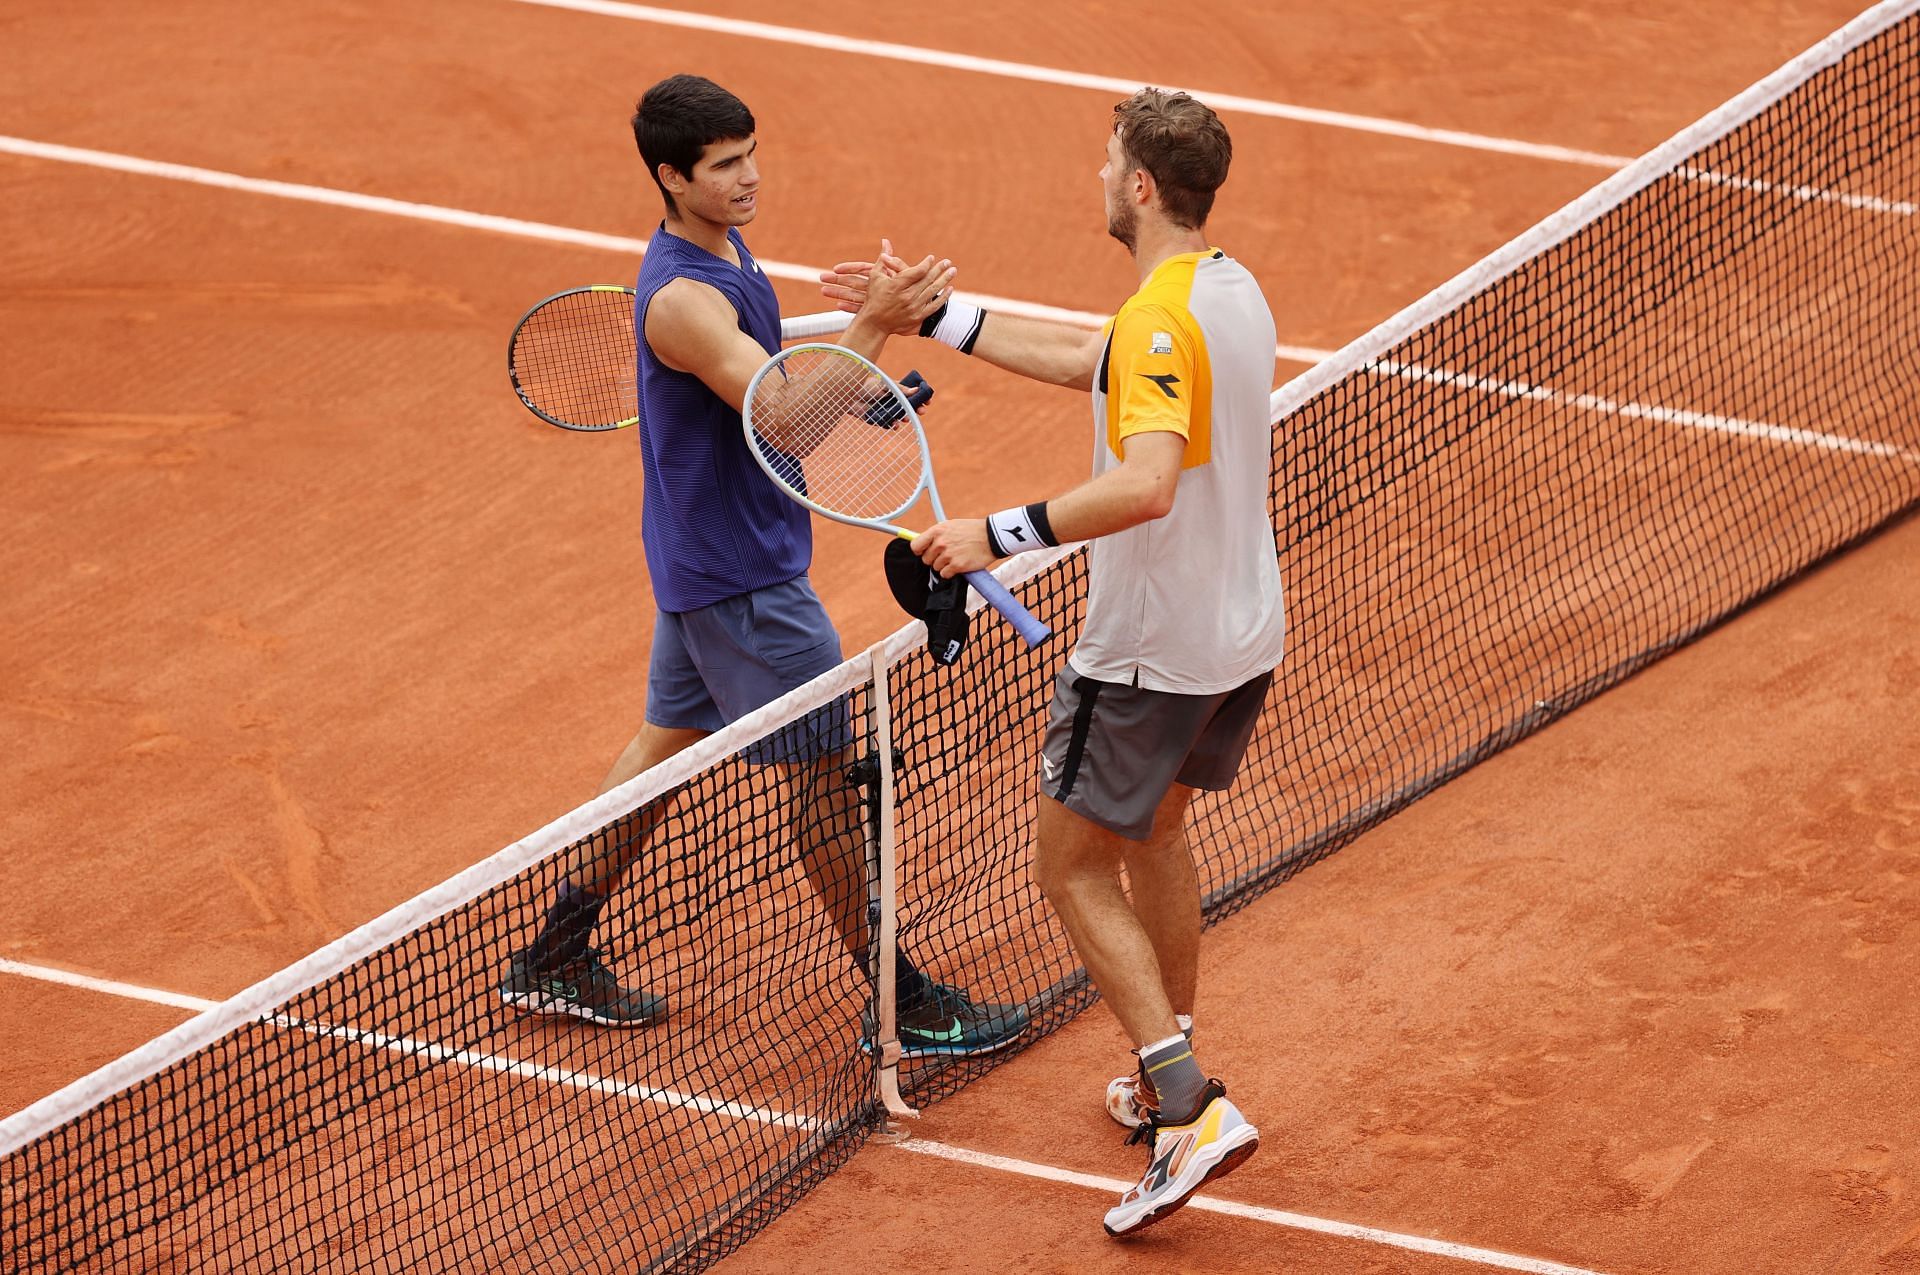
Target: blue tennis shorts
x,y
716,664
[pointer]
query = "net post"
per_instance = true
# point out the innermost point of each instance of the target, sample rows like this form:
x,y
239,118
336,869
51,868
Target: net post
x,y
886,1013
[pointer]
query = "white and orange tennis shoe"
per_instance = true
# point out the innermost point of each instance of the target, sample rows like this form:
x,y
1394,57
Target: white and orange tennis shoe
x,y
1131,1101
1186,1157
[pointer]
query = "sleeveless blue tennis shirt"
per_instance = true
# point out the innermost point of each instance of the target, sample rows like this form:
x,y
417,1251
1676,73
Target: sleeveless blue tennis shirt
x,y
714,526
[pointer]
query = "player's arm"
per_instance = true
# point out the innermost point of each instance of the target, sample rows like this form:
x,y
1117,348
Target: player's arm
x,y
1150,376
1050,352
693,328
1140,489
1054,353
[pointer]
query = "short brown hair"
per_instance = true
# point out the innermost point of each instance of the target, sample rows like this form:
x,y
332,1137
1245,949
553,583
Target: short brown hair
x,y
1182,143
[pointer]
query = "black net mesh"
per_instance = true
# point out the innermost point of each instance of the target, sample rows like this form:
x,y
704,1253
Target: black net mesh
x,y
400,1117
1703,392
1709,388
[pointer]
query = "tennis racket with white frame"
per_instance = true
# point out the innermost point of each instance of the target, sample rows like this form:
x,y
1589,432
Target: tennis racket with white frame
x,y
571,357
818,420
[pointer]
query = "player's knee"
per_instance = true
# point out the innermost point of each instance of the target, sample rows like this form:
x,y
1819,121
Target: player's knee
x,y
1046,869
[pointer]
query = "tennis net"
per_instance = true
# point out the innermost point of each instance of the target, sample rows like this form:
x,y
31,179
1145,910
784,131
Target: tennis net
x,y
1663,402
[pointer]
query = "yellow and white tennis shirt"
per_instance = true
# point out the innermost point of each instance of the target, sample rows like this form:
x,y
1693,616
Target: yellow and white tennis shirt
x,y
1190,602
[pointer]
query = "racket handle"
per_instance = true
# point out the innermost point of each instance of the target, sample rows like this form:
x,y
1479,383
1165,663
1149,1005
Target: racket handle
x,y
886,412
1006,604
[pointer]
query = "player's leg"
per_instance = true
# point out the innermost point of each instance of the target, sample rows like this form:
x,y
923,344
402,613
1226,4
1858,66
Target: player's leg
x,y
1109,763
1166,892
752,649
1165,895
1217,1132
755,649
824,817
1077,866
651,746
561,972
598,863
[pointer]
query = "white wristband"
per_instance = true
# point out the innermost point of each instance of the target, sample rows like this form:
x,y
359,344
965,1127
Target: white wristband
x,y
957,323
1019,529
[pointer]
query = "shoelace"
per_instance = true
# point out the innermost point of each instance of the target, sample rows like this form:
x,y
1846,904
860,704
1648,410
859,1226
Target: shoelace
x,y
592,962
948,1000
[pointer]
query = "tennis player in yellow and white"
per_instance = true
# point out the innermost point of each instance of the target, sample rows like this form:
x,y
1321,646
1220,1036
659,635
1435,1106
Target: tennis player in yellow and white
x,y
1184,621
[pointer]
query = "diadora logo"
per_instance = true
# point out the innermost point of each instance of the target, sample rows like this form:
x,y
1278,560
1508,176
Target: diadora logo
x,y
1168,1163
1166,381
1048,769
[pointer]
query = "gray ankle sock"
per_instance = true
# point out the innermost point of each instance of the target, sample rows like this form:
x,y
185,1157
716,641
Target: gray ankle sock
x,y
1176,1078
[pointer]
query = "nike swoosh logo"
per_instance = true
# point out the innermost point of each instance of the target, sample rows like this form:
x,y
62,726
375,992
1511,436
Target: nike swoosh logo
x,y
953,1033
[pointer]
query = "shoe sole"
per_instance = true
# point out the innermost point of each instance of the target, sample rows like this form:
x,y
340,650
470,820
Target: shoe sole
x,y
534,1003
1233,1159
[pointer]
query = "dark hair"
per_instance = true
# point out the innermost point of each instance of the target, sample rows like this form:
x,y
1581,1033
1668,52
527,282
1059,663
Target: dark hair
x,y
1182,144
680,117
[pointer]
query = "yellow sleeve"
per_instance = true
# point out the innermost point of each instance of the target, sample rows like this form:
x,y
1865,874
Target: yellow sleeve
x,y
1151,374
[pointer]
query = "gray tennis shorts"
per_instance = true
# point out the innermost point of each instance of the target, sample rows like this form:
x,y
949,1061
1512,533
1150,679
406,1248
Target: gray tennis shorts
x,y
714,665
1113,751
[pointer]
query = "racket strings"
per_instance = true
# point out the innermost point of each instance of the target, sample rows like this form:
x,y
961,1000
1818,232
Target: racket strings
x,y
574,359
819,427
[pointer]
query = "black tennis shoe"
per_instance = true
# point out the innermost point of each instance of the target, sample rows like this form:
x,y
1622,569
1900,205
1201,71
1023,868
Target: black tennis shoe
x,y
581,988
944,1022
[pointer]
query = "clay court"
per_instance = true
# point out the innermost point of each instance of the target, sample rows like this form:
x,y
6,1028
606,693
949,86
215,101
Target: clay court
x,y
305,614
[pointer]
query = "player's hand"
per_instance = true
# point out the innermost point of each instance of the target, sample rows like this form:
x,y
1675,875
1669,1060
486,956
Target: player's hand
x,y
896,303
846,285
850,283
955,546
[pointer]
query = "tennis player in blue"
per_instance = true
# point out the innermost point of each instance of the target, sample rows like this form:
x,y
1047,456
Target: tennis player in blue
x,y
738,623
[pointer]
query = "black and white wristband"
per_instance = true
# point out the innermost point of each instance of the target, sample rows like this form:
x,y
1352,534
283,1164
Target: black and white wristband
x,y
1019,529
956,323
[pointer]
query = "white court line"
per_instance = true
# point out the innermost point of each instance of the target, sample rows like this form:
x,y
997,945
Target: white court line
x,y
514,226
1076,79
105,986
666,1097
585,1080
1660,162
1706,421
410,1047
1227,102
1804,194
1251,1212
460,217
549,233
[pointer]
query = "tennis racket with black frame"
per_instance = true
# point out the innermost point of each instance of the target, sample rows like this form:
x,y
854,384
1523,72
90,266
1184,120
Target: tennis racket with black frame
x,y
842,437
571,357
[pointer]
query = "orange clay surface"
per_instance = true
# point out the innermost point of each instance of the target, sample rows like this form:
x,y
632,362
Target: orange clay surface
x,y
303,613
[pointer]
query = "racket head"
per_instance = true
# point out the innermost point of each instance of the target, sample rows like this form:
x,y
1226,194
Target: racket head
x,y
571,359
838,434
